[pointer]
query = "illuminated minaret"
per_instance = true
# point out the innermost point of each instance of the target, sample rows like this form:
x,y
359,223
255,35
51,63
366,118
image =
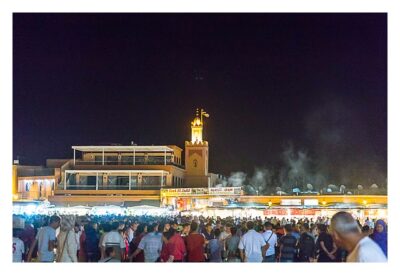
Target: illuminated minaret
x,y
197,127
196,154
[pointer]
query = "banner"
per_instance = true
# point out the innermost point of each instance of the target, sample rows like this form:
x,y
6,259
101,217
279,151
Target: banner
x,y
217,191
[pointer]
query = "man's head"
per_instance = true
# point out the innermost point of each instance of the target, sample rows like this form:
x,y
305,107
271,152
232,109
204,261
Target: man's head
x,y
152,227
186,228
217,232
288,228
250,225
115,225
228,228
365,230
345,230
305,227
55,221
167,226
209,227
268,226
134,226
193,227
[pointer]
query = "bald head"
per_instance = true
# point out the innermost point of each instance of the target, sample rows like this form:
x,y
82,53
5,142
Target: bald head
x,y
343,223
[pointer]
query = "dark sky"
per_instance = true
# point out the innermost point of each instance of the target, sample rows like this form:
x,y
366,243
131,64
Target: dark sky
x,y
316,81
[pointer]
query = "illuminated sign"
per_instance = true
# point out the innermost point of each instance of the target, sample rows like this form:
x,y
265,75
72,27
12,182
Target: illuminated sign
x,y
225,191
201,191
310,202
293,202
177,192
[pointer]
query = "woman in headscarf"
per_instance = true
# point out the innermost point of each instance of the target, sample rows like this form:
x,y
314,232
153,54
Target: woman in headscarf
x,y
67,247
380,235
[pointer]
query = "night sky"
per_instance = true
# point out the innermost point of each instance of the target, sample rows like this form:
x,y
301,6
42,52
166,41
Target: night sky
x,y
315,82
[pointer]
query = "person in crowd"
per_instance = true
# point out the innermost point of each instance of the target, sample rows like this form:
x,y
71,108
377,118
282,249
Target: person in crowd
x,y
131,231
195,244
27,236
296,231
252,245
151,244
216,247
166,226
67,245
110,256
208,234
78,234
232,246
325,245
140,233
82,249
366,230
91,243
225,234
306,244
287,245
380,235
271,241
104,229
175,247
114,238
346,234
125,238
18,246
185,230
46,241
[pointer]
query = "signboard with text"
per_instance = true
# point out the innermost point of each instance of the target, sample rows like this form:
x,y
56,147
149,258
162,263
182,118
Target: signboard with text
x,y
310,202
291,202
217,191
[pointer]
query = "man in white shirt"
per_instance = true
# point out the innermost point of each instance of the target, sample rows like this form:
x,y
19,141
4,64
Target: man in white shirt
x,y
18,247
270,238
347,234
252,245
46,241
114,239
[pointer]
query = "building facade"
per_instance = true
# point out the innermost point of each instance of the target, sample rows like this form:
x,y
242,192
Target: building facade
x,y
123,174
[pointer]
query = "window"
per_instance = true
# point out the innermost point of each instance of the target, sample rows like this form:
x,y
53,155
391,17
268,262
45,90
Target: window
x,y
195,163
127,160
111,159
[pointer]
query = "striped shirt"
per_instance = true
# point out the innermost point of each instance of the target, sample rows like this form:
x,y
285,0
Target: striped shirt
x,y
151,244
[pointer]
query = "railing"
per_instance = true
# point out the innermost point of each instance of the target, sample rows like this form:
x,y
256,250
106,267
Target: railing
x,y
122,162
109,187
32,172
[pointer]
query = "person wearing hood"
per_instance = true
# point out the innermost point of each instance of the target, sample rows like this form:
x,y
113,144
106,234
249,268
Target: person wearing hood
x,y
380,235
68,248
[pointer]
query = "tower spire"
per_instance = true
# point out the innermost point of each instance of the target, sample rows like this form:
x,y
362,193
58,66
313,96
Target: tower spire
x,y
197,126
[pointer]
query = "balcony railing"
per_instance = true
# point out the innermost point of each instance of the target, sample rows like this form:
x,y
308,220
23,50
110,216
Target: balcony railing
x,y
128,163
34,172
109,187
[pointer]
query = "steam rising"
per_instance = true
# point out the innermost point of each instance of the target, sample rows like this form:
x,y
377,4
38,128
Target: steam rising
x,y
336,161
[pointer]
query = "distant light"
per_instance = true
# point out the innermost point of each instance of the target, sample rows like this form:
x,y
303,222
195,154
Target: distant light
x,y
324,202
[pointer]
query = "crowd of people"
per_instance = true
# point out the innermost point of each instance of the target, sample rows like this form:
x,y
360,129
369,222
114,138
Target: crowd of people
x,y
198,239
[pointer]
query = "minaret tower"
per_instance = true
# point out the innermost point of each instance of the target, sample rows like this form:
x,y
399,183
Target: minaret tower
x,y
196,154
